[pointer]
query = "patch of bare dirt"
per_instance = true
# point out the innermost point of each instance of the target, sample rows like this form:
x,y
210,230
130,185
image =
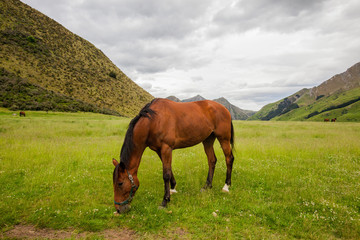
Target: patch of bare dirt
x,y
31,232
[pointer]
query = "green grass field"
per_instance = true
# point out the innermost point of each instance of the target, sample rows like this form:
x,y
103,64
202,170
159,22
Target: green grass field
x,y
291,180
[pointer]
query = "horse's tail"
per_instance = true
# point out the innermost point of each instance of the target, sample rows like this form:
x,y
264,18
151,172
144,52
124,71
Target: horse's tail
x,y
232,136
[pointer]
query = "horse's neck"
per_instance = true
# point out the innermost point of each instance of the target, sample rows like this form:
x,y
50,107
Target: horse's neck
x,y
139,140
135,159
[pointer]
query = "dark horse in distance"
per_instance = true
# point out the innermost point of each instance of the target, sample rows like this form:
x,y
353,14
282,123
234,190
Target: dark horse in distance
x,y
164,125
22,114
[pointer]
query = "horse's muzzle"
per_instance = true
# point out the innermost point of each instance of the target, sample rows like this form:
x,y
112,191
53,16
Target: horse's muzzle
x,y
123,208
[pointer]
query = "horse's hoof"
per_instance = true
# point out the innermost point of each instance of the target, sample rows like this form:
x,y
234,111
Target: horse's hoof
x,y
206,187
164,203
172,191
161,207
225,189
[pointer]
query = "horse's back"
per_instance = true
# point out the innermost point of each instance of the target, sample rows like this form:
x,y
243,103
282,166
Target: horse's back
x,y
187,124
197,110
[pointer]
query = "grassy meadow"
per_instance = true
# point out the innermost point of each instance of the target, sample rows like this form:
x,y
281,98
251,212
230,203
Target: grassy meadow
x,y
291,180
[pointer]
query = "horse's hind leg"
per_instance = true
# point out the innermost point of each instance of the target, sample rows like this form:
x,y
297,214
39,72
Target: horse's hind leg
x,y
226,147
209,150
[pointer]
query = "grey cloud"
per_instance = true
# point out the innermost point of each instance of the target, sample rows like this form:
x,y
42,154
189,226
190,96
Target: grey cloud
x,y
159,91
197,79
150,36
148,19
285,83
241,85
154,56
191,90
268,94
146,85
274,15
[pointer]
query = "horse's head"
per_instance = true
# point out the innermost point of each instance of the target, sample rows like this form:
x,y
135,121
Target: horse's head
x,y
125,186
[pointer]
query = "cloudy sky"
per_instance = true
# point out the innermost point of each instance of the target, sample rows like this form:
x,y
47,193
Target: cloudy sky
x,y
251,52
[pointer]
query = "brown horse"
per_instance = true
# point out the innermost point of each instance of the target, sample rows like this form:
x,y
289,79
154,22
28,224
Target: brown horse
x,y
22,114
333,120
326,120
163,126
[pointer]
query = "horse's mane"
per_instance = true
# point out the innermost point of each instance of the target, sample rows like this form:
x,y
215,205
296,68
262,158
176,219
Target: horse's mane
x,y
128,144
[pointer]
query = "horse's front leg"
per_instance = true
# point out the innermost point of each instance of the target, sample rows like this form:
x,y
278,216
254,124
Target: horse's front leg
x,y
166,156
172,179
172,184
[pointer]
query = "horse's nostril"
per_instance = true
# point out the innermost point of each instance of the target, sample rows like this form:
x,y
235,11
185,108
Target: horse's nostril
x,y
123,209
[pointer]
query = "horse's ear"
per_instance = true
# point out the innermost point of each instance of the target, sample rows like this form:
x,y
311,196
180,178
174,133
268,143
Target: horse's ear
x,y
115,162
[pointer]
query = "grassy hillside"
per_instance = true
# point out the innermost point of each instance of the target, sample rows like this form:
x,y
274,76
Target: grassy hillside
x,y
335,98
280,107
41,52
15,94
265,112
343,106
291,180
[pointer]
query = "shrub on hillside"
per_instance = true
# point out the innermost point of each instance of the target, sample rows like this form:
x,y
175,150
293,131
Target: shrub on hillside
x,y
18,94
112,74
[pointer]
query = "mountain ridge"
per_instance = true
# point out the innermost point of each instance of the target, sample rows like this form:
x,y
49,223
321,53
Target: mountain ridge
x,y
345,81
236,112
339,92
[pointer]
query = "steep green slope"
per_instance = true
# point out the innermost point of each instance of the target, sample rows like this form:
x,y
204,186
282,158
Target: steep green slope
x,y
43,53
15,94
337,97
264,111
283,106
343,106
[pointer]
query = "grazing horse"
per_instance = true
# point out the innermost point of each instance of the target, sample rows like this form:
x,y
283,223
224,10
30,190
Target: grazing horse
x,y
22,114
164,125
326,120
333,120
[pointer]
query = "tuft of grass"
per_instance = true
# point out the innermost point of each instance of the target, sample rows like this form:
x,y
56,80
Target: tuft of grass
x,y
291,180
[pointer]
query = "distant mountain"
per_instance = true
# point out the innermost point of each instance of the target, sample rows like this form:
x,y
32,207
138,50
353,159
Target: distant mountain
x,y
58,70
173,98
236,113
343,82
338,97
193,99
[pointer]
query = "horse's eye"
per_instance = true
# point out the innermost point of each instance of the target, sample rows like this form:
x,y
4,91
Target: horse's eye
x,y
120,184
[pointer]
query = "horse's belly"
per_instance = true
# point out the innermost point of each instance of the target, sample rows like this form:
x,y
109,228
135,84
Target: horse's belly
x,y
184,143
191,136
